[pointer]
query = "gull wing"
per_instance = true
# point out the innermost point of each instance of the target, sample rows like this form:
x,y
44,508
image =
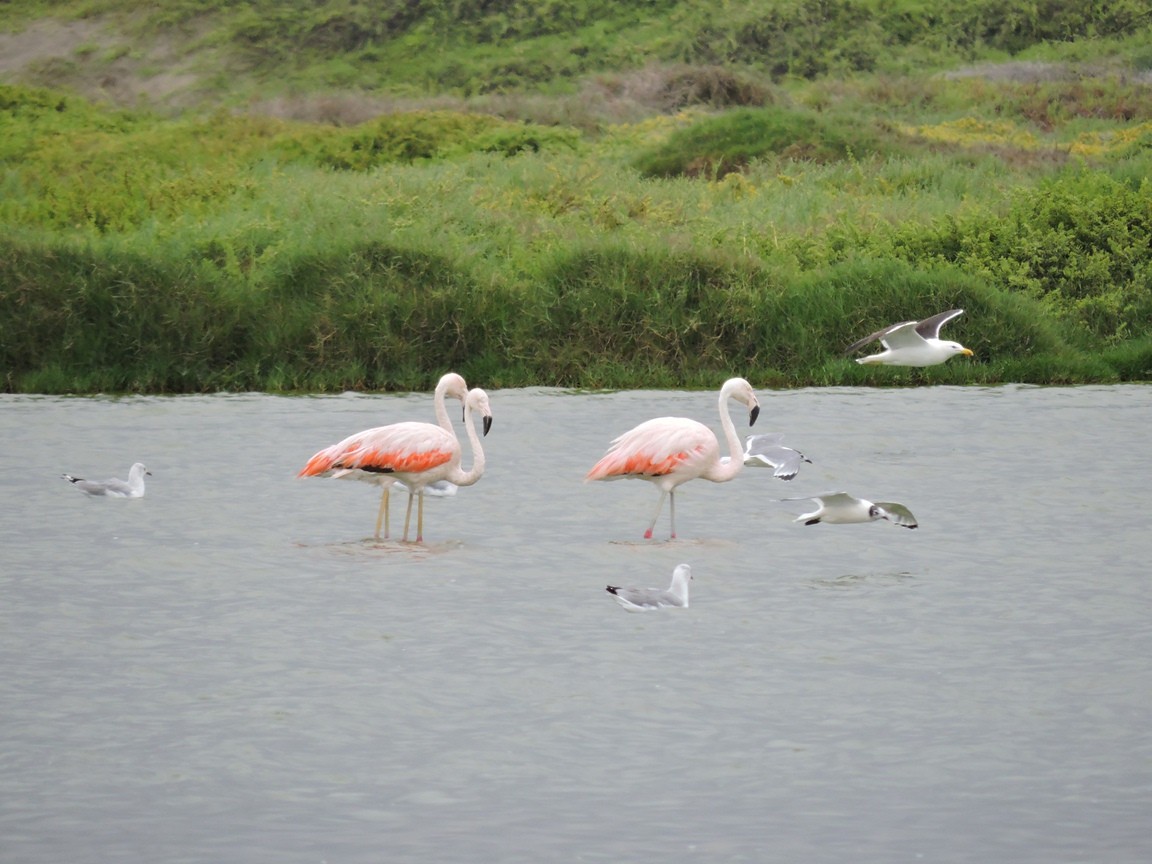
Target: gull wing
x,y
787,463
904,335
929,328
897,514
784,461
112,487
872,337
754,444
826,498
766,451
646,598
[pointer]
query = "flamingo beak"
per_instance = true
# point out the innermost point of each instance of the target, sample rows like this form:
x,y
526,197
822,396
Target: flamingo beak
x,y
487,424
755,413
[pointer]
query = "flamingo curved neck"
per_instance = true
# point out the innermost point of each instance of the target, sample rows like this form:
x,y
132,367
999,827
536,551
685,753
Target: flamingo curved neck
x,y
440,407
725,470
467,478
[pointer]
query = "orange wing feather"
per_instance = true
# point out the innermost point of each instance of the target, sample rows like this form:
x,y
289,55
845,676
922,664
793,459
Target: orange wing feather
x,y
620,465
654,448
402,448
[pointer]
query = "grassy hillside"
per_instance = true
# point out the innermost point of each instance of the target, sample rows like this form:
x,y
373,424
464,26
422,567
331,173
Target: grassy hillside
x,y
221,50
360,195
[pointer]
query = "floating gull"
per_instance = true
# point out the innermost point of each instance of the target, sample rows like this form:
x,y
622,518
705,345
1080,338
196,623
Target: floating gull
x,y
766,451
912,343
114,488
840,508
439,489
645,599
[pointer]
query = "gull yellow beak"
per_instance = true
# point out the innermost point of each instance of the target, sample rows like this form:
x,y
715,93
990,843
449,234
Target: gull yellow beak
x,y
967,352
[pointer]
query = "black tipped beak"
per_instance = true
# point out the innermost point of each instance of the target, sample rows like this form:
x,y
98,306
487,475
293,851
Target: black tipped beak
x,y
752,417
487,424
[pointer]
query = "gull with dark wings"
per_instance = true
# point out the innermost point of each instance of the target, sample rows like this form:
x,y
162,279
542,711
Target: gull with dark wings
x,y
912,343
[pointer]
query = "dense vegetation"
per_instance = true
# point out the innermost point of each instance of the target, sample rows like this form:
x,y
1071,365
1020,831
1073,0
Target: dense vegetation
x,y
576,194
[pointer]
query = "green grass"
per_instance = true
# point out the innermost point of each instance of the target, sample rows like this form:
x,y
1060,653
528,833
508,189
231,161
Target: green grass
x,y
300,297
253,48
668,225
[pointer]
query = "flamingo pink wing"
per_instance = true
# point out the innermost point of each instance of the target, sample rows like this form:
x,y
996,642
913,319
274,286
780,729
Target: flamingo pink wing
x,y
407,448
655,448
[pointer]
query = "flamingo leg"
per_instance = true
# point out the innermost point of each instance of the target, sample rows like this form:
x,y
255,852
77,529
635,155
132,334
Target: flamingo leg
x,y
382,515
408,516
655,516
420,519
672,511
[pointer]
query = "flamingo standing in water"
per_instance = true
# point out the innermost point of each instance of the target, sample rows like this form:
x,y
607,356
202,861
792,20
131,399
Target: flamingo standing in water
x,y
669,451
415,454
449,384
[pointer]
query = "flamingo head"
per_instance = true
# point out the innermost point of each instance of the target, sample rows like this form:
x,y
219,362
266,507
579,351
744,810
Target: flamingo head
x,y
477,402
740,390
452,384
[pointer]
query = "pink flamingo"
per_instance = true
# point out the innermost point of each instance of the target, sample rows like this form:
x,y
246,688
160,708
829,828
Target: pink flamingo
x,y
669,451
450,384
415,454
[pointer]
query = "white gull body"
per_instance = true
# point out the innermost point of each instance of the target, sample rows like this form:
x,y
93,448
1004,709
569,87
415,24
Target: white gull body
x,y
113,487
647,599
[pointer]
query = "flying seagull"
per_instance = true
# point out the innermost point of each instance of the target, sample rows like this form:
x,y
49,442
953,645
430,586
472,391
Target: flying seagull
x,y
912,343
766,451
840,508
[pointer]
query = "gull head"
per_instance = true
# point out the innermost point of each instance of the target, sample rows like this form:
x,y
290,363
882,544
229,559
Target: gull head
x,y
956,348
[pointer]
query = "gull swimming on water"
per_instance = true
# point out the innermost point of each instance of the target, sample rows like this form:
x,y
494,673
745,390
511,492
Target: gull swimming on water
x,y
646,599
912,343
439,489
113,488
840,508
766,451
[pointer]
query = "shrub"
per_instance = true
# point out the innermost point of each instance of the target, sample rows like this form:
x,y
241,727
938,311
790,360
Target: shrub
x,y
1080,242
412,136
720,145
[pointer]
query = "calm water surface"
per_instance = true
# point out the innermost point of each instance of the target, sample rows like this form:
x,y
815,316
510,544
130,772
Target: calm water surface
x,y
228,670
